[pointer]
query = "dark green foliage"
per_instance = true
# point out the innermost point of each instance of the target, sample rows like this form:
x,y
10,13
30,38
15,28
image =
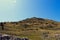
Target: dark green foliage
x,y
2,26
25,25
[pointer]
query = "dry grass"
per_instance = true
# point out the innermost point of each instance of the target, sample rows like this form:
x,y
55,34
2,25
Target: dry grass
x,y
32,28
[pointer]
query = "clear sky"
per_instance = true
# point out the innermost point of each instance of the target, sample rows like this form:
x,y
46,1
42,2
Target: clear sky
x,y
14,10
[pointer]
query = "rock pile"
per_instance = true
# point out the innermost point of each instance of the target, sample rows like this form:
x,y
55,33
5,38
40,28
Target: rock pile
x,y
9,37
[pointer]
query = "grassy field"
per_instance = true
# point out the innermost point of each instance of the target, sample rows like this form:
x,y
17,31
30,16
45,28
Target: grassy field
x,y
31,34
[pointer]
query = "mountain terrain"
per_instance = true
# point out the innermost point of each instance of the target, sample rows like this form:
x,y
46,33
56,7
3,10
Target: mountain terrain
x,y
33,28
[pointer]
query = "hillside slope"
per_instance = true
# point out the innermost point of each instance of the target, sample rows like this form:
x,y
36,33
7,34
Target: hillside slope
x,y
34,28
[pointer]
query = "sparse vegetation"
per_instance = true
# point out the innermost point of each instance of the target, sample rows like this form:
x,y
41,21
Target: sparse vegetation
x,y
33,28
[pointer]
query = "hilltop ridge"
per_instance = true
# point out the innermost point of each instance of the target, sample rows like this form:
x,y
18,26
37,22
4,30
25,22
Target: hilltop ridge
x,y
35,22
33,28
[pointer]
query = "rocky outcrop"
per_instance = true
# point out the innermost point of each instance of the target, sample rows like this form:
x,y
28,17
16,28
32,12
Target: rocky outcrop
x,y
9,37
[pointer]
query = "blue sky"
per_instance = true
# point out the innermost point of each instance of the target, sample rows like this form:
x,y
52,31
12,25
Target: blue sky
x,y
15,10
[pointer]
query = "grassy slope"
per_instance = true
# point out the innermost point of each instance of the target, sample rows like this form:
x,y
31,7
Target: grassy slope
x,y
32,32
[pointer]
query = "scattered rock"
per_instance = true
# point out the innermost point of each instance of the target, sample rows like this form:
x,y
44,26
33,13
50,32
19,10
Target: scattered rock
x,y
9,37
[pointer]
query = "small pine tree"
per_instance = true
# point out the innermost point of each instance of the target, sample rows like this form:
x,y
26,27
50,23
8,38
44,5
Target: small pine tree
x,y
2,26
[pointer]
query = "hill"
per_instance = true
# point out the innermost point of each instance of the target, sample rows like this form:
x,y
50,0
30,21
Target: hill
x,y
34,28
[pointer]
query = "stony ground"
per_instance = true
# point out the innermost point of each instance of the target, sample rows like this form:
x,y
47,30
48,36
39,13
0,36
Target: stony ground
x,y
33,29
10,37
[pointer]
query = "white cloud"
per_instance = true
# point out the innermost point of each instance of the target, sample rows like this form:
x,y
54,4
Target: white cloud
x,y
7,0
7,5
7,9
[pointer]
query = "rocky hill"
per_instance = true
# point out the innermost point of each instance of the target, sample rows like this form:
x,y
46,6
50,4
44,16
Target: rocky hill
x,y
34,28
